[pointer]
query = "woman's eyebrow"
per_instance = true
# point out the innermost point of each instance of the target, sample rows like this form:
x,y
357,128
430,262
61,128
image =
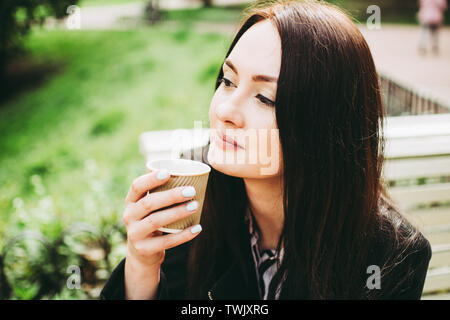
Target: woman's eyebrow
x,y
256,78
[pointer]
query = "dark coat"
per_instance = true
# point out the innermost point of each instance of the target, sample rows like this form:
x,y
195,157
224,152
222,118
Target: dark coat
x,y
231,284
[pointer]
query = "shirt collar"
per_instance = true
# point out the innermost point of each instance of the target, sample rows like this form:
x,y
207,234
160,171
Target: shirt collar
x,y
252,227
255,233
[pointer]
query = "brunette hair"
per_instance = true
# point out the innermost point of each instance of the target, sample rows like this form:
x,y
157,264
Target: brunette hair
x,y
329,113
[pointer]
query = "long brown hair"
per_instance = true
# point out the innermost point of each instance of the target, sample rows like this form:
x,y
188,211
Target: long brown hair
x,y
329,114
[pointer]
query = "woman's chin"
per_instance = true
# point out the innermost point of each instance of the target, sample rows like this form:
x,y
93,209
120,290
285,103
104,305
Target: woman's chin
x,y
226,162
232,166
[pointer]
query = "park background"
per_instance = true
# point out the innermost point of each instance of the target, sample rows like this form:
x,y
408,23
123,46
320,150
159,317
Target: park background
x,y
73,103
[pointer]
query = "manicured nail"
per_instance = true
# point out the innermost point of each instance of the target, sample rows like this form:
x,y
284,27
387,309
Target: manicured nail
x,y
163,174
188,192
191,206
196,229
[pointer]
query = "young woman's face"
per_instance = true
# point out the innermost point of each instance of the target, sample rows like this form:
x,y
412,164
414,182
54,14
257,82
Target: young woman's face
x,y
243,108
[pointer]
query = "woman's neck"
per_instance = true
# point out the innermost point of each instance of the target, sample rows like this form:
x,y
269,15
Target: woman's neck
x,y
265,198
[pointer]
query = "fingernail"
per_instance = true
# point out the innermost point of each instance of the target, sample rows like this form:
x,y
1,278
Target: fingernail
x,y
196,229
163,174
191,206
188,192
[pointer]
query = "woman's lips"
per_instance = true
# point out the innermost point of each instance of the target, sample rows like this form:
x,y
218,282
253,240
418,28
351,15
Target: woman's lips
x,y
226,142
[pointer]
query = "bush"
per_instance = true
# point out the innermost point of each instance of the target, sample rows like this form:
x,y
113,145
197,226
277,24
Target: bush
x,y
16,19
74,264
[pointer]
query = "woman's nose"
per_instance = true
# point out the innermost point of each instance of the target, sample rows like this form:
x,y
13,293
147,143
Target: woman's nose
x,y
230,112
232,109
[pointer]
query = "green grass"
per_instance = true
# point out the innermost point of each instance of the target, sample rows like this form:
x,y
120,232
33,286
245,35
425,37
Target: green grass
x,y
70,147
229,14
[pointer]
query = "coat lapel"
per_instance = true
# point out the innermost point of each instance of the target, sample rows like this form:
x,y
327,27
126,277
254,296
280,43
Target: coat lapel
x,y
235,284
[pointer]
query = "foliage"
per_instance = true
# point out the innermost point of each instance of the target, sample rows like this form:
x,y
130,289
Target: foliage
x,y
17,17
36,267
70,148
215,14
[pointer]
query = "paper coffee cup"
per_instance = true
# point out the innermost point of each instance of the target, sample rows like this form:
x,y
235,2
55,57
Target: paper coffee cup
x,y
183,172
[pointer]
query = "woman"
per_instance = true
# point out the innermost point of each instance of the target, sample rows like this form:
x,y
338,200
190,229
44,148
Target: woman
x,y
431,16
317,224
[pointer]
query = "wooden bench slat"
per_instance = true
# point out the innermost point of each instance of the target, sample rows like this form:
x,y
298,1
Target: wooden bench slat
x,y
440,256
444,228
408,197
417,147
440,259
438,279
430,217
438,238
412,168
442,248
417,126
442,296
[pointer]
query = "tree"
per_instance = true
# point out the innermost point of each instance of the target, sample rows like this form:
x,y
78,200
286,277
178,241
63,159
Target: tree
x,y
16,19
207,3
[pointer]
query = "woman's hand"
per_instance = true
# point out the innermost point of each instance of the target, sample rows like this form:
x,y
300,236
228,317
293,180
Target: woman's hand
x,y
146,245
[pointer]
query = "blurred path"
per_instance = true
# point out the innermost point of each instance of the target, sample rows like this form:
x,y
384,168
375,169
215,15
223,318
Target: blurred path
x,y
129,15
112,16
394,48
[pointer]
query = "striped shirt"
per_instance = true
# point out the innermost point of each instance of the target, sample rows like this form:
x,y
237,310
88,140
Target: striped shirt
x,y
265,261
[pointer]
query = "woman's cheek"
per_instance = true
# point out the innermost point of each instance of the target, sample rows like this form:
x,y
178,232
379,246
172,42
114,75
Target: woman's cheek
x,y
212,107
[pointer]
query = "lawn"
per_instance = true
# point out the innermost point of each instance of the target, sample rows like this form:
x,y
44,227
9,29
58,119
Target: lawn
x,y
70,144
221,14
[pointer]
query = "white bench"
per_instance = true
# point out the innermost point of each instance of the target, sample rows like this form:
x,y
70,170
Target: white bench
x,y
416,147
171,143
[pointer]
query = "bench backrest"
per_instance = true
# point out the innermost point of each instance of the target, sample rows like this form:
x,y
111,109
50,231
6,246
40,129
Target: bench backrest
x,y
417,169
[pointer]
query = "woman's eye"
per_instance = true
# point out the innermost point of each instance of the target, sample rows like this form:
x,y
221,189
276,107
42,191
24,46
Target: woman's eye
x,y
226,82
265,100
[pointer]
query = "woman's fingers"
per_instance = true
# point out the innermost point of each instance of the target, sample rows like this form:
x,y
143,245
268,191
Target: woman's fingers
x,y
143,216
141,229
155,244
144,183
175,239
157,200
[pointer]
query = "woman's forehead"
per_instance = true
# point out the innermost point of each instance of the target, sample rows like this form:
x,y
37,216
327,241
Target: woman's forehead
x,y
258,51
